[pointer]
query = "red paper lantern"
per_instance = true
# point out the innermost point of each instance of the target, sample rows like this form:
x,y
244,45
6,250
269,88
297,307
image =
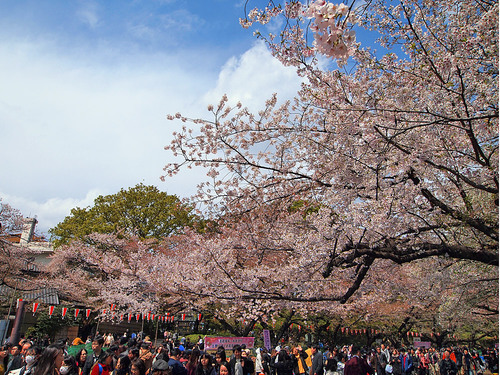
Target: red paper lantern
x,y
35,307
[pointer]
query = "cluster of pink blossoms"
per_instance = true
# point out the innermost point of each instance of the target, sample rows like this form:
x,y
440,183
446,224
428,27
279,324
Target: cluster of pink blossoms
x,y
331,38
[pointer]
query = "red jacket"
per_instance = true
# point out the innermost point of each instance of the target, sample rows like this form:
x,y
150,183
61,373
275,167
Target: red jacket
x,y
100,369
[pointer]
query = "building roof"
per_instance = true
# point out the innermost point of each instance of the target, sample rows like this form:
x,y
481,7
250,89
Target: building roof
x,y
48,296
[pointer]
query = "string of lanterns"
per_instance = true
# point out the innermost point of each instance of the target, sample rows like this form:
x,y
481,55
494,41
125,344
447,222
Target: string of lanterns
x,y
149,316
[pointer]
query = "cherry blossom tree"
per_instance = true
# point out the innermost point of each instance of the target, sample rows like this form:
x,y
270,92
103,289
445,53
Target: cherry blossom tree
x,y
382,171
107,269
15,256
394,153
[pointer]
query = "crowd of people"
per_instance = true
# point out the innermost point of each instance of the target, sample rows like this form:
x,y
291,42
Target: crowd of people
x,y
132,356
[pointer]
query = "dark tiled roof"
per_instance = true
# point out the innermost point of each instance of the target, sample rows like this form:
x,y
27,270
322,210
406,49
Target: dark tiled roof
x,y
47,296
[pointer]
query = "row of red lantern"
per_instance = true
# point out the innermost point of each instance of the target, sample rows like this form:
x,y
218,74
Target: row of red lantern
x,y
352,331
64,311
164,318
148,316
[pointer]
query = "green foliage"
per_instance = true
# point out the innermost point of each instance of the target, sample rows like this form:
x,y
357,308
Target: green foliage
x,y
142,210
47,325
304,206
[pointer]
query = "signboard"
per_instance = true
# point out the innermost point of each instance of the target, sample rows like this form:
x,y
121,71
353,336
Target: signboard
x,y
267,339
419,344
212,343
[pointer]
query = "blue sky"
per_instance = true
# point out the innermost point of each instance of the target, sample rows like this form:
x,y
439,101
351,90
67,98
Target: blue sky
x,y
85,87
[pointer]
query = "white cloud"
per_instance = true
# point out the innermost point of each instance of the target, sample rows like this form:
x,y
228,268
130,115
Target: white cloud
x,y
77,125
51,211
254,77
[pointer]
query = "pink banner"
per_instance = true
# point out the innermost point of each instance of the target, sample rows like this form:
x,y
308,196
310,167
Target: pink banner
x,y
212,343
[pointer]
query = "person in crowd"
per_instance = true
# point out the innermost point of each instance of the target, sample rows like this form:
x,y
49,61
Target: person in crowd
x,y
192,362
205,365
69,366
372,359
4,359
283,364
224,369
104,364
259,369
433,361
81,358
357,365
235,367
447,366
25,346
161,367
97,344
395,362
247,362
175,364
200,343
50,361
382,360
478,363
331,364
30,357
133,354
146,356
138,367
77,341
266,361
458,359
220,358
160,353
467,363
109,340
122,365
384,349
184,359
406,362
299,357
423,362
15,360
116,352
414,360
317,361
341,360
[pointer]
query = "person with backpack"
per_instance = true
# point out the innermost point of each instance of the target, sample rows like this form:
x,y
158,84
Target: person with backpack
x,y
97,344
104,364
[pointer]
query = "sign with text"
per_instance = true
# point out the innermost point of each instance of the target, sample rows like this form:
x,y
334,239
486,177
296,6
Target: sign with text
x,y
212,343
267,339
420,344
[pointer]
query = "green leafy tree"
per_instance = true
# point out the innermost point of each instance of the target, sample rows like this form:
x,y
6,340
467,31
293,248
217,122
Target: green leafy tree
x,y
143,211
